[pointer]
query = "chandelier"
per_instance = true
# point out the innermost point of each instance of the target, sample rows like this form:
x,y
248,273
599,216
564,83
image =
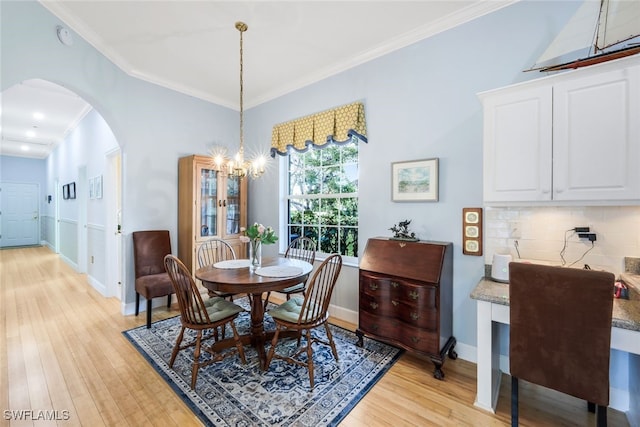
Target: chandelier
x,y
237,166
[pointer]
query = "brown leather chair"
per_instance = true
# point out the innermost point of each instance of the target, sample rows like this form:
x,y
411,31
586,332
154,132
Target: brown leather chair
x,y
560,333
152,280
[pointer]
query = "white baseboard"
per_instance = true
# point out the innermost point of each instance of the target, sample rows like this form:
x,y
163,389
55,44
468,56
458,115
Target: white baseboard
x,y
95,284
344,314
71,263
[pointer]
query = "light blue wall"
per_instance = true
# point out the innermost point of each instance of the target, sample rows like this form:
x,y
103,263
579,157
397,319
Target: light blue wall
x,y
421,102
152,125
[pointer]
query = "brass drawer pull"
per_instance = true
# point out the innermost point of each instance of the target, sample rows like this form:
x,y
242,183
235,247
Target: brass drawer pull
x,y
415,340
373,286
415,316
373,305
413,295
394,284
395,303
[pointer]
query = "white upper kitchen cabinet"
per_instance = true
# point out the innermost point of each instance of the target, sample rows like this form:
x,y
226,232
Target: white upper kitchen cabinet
x,y
571,137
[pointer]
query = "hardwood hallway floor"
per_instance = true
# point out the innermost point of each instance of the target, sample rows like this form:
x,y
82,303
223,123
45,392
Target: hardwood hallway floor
x,y
62,349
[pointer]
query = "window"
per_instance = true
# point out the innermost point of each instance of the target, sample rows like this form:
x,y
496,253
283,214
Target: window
x,y
322,199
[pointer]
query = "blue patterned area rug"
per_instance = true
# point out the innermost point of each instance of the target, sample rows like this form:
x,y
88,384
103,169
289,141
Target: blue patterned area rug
x,y
229,393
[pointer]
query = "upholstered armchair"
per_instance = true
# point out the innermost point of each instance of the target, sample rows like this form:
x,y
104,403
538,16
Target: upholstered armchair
x,y
152,281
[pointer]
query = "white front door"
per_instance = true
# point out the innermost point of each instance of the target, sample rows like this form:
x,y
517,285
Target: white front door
x,y
20,214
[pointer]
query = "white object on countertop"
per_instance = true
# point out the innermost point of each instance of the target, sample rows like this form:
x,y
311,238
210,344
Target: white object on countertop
x,y
500,267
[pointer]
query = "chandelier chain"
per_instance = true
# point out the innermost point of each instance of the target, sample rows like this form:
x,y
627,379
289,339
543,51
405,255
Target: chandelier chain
x,y
242,27
238,167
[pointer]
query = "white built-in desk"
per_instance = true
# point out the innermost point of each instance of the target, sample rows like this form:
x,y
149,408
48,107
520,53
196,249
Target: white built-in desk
x,y
493,308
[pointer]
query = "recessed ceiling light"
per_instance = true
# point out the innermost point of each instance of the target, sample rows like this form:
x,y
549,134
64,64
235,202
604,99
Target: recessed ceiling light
x,y
24,148
31,133
38,116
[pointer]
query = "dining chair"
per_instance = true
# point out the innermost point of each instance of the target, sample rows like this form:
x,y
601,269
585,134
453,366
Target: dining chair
x,y
213,251
200,316
305,314
151,279
301,248
560,332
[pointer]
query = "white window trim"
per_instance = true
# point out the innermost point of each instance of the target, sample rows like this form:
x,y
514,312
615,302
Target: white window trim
x,y
283,179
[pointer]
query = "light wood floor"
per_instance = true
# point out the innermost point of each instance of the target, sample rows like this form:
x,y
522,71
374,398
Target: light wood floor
x,y
62,348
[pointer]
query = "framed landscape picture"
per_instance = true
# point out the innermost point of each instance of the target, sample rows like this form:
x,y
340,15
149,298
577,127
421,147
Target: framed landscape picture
x,y
415,181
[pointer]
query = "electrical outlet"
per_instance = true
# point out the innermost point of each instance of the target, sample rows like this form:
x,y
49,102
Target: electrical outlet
x,y
581,229
590,236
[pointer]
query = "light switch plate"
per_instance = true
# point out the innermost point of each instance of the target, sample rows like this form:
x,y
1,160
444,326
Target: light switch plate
x,y
472,231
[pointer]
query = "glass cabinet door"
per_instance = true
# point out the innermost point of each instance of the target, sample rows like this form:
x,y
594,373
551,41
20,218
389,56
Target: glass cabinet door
x,y
208,202
232,214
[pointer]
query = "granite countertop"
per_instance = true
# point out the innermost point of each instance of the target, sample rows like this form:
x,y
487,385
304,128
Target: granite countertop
x,y
626,313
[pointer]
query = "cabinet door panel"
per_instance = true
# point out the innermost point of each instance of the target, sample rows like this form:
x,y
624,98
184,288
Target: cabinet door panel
x,y
597,137
517,145
232,205
208,202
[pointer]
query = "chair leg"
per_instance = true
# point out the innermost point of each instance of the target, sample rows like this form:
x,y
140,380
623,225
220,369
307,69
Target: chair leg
x,y
272,350
149,313
514,401
169,301
176,348
137,303
266,301
239,345
331,343
601,415
310,357
196,360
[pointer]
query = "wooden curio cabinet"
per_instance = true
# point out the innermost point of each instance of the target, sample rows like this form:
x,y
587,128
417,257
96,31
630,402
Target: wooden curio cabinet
x,y
210,204
406,297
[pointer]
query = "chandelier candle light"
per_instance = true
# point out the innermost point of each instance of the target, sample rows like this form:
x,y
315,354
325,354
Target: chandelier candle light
x,y
238,166
256,235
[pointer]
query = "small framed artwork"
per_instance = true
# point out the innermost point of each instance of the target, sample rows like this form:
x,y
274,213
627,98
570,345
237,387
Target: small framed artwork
x,y
97,184
65,191
72,190
92,194
415,181
472,231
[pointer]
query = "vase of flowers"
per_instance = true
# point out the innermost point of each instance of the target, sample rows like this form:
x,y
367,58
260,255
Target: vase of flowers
x,y
257,235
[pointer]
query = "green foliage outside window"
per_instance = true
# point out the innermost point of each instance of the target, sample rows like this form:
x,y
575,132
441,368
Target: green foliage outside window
x,y
323,198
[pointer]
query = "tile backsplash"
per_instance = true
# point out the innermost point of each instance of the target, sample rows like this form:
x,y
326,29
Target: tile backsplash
x,y
538,233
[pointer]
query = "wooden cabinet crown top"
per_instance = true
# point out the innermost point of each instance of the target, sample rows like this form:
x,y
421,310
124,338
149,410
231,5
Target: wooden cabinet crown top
x,y
421,260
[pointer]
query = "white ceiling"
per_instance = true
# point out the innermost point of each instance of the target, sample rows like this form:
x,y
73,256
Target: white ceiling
x,y
193,47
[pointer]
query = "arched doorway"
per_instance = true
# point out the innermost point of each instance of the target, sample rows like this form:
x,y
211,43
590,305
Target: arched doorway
x,y
56,139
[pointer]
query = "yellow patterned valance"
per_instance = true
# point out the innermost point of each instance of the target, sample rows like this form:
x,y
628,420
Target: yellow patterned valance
x,y
338,125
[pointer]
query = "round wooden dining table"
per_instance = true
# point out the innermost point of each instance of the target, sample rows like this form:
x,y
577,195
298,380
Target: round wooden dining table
x,y
236,277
